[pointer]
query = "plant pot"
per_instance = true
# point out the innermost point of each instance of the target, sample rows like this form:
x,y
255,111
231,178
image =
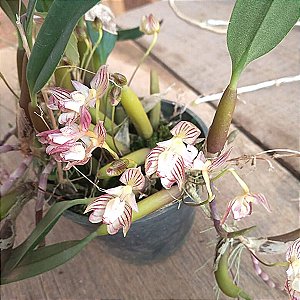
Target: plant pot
x,y
157,235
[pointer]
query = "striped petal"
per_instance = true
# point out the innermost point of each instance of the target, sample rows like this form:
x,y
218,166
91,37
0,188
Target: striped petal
x,y
114,209
178,172
187,131
221,159
67,117
58,97
123,221
151,162
100,130
134,178
100,82
85,118
261,199
171,169
293,250
98,207
292,284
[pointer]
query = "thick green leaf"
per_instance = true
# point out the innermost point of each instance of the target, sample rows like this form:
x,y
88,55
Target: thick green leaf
x,y
41,230
72,50
256,27
106,45
45,259
129,34
52,40
43,5
6,203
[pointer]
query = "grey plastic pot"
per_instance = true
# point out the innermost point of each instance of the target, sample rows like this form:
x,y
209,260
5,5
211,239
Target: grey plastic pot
x,y
159,234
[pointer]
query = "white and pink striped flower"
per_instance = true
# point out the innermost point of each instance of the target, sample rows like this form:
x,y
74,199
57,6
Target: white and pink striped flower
x,y
292,284
115,207
74,144
70,103
241,206
170,158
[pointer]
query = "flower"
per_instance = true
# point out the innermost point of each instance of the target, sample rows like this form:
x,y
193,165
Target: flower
x,y
74,143
241,206
70,103
149,25
292,284
206,166
115,207
105,15
170,158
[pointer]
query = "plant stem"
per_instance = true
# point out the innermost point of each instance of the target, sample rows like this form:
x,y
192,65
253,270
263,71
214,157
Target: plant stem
x,y
8,86
154,114
92,52
154,40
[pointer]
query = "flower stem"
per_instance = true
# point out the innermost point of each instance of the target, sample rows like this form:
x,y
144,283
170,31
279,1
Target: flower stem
x,y
8,86
92,52
154,40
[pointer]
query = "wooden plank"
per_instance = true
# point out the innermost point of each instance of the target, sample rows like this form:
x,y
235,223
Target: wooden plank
x,y
200,58
95,274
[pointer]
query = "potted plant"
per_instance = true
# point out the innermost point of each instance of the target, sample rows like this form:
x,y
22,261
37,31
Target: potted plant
x,y
92,140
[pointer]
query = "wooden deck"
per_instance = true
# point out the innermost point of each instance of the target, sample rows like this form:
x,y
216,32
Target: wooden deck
x,y
197,62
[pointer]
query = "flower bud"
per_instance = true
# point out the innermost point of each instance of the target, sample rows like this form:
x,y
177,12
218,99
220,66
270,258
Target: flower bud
x,y
117,167
149,25
119,79
115,95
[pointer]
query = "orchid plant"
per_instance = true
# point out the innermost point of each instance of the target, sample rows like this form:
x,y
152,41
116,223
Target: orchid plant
x,y
76,121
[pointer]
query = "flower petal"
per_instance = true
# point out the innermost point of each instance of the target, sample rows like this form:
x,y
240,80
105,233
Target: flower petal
x,y
67,117
100,130
114,209
98,208
83,89
85,118
221,159
58,97
134,178
151,162
100,81
187,131
178,172
261,199
123,221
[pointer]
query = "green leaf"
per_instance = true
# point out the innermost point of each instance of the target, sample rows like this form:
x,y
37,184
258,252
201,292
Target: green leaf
x,y
41,230
6,203
52,40
106,45
72,50
256,27
29,20
129,34
46,258
43,5
11,9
